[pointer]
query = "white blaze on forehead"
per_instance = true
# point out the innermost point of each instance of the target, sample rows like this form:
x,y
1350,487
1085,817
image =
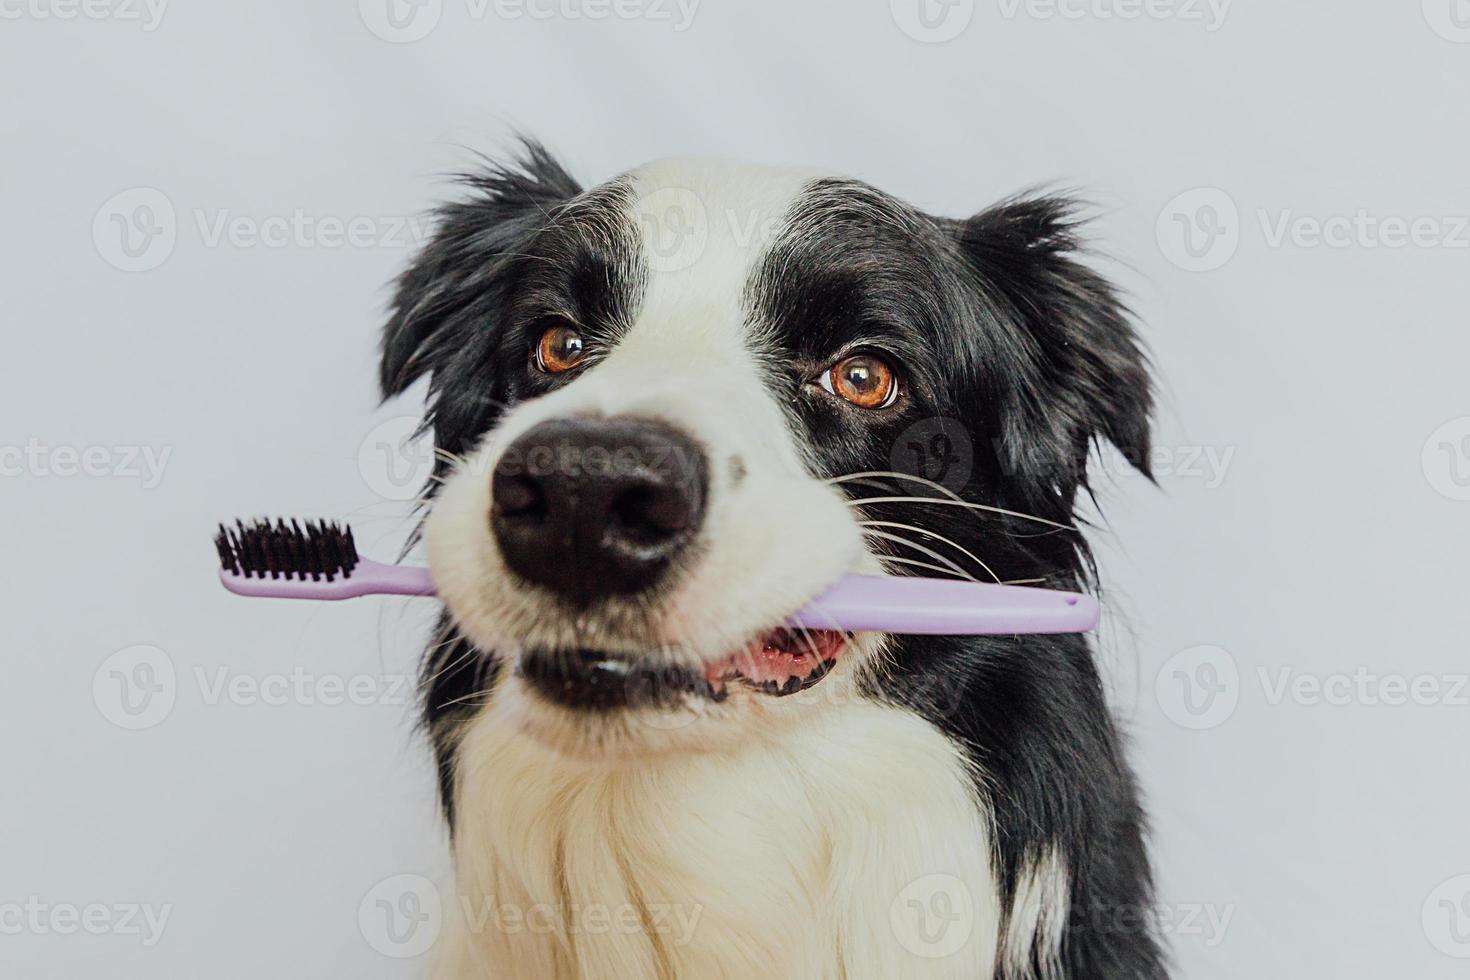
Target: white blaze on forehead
x,y
703,227
705,224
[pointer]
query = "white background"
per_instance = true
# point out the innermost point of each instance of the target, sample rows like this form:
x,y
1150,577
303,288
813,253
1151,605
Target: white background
x,y
1328,536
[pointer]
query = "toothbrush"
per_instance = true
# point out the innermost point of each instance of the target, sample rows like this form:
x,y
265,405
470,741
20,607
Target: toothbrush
x,y
319,560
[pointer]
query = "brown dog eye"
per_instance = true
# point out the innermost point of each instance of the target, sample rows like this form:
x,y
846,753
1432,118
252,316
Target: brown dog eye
x,y
866,380
560,349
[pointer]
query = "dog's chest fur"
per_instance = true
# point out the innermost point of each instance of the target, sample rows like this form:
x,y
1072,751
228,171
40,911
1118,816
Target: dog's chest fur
x,y
786,859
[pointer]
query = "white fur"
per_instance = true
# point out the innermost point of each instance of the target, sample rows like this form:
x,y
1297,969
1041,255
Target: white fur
x,y
1037,917
785,858
781,838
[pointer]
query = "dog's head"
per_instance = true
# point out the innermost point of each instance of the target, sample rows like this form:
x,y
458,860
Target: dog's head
x,y
674,407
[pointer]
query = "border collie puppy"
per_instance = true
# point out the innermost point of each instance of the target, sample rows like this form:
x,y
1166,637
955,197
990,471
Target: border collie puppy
x,y
669,410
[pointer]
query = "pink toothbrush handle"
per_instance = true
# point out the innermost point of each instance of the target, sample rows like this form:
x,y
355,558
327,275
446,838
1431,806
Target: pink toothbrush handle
x,y
946,607
368,578
855,603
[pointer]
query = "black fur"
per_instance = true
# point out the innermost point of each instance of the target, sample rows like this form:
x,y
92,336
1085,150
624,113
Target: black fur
x,y
1000,329
463,314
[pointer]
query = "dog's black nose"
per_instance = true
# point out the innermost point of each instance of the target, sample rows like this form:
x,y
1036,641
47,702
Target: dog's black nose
x,y
593,507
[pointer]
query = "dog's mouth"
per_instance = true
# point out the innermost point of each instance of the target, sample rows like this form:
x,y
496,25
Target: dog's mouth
x,y
777,663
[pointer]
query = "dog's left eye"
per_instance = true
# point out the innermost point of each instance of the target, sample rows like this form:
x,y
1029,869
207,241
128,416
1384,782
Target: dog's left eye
x,y
864,379
559,349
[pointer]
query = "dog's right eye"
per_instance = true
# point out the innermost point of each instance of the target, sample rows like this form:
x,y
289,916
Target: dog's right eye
x,y
560,348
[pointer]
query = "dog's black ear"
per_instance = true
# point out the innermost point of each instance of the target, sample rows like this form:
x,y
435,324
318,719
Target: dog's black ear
x,y
1074,372
456,270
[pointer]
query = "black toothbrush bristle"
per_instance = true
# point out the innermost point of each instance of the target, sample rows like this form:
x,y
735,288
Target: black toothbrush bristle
x,y
314,550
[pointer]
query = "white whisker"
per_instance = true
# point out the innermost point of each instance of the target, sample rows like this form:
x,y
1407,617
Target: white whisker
x,y
957,503
466,699
869,476
932,554
463,658
924,564
937,537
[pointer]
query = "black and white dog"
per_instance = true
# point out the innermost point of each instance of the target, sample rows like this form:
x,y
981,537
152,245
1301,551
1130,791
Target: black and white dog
x,y
671,409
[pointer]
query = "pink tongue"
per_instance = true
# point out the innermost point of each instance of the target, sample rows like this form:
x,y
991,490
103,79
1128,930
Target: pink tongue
x,y
781,655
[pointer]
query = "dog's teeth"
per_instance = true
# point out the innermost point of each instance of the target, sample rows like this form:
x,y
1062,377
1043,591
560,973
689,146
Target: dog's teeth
x,y
821,670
